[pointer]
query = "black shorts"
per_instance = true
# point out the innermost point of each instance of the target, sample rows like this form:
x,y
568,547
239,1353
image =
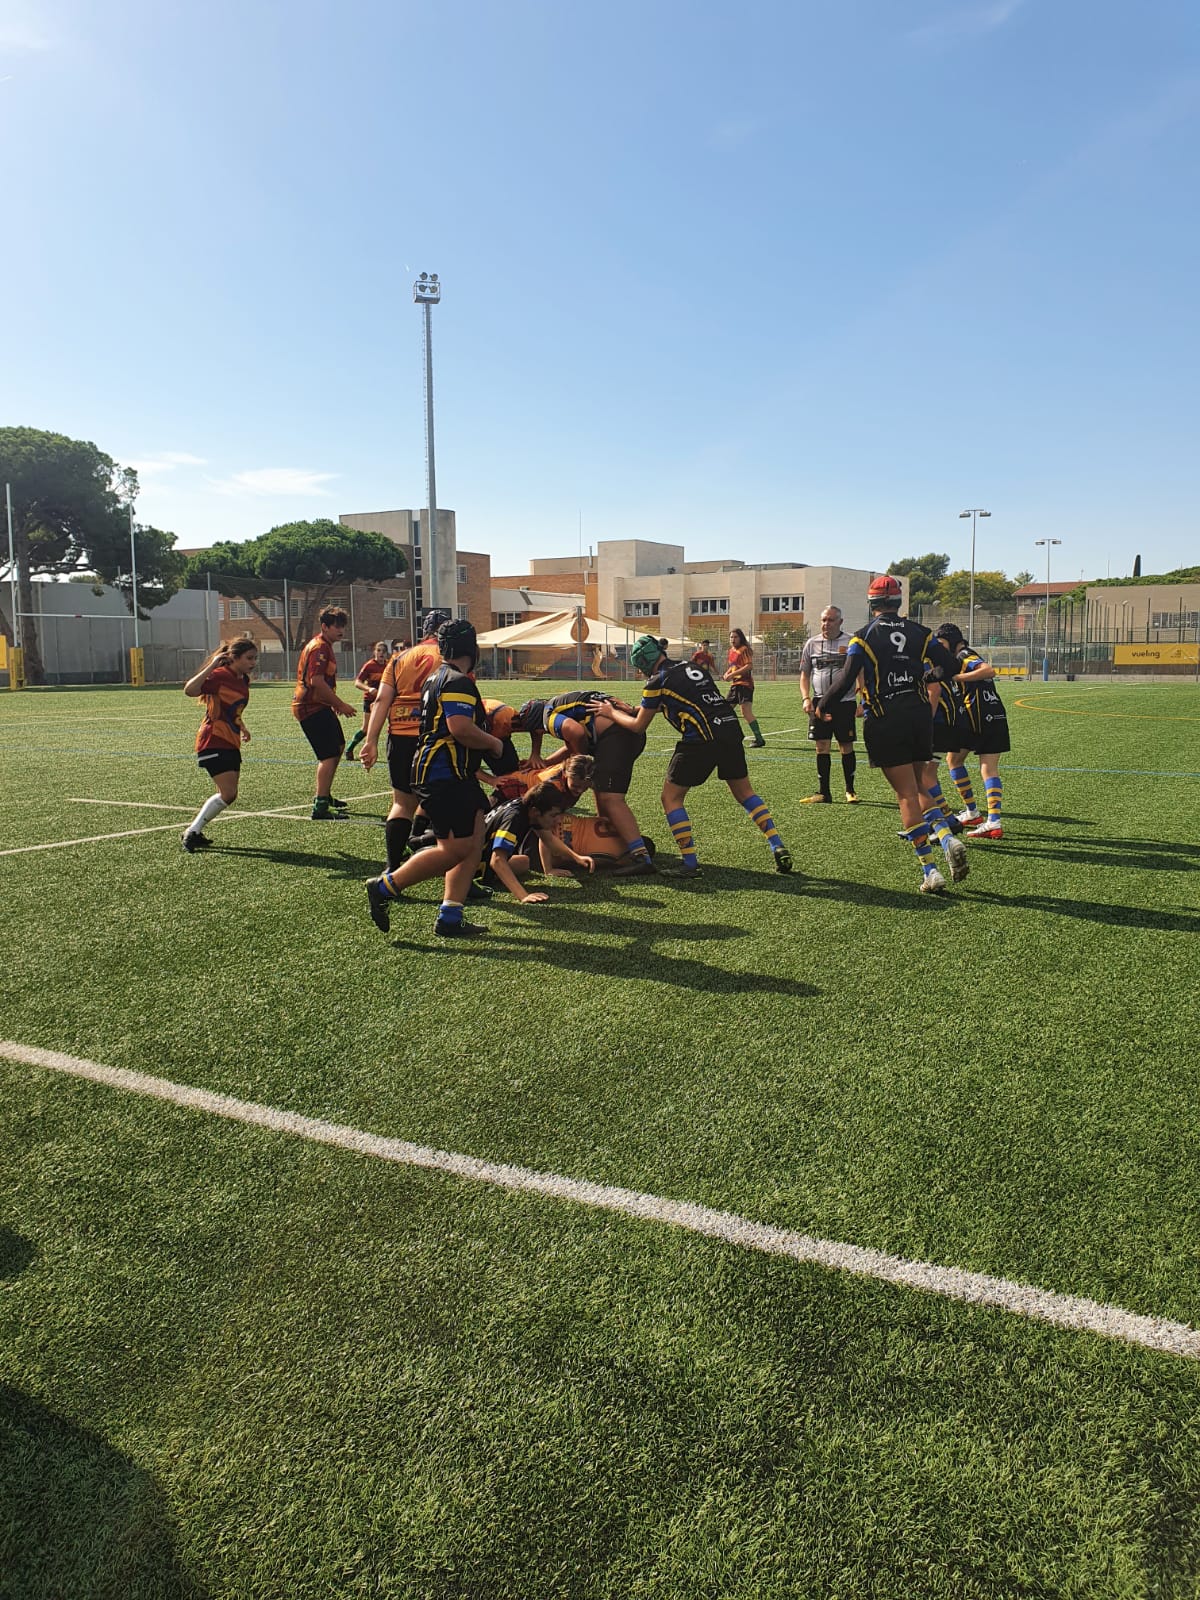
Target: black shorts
x,y
904,736
741,694
843,716
400,752
695,760
453,806
214,761
616,750
991,740
324,733
947,738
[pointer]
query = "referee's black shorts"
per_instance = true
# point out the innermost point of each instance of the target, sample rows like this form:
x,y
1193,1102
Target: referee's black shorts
x,y
902,736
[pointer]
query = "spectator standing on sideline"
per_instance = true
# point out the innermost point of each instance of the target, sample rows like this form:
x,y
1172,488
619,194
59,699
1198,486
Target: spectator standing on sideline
x,y
316,706
740,675
821,657
368,678
223,683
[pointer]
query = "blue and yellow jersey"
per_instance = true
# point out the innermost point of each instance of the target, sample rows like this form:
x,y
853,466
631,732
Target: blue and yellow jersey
x,y
980,700
894,655
574,706
505,827
225,694
691,702
439,758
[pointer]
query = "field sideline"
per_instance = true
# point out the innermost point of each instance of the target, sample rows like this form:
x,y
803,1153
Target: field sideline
x,y
238,1362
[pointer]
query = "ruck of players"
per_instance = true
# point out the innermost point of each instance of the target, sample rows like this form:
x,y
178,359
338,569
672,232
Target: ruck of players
x,y
468,810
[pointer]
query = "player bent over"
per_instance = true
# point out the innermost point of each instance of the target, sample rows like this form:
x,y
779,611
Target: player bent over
x,y
709,742
895,657
450,745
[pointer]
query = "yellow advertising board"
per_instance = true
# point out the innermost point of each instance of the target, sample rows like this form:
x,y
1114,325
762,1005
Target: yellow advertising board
x,y
3,653
137,667
1156,655
16,669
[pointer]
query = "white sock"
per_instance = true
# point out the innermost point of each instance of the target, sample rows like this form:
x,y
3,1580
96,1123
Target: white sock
x,y
211,808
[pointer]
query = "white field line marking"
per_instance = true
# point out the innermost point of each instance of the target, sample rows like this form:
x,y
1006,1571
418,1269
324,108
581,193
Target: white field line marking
x,y
279,815
976,1288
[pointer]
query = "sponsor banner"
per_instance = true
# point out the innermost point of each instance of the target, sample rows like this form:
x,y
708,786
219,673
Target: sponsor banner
x,y
1156,655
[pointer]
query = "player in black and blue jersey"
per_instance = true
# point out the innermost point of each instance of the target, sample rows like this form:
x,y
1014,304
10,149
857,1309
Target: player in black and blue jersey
x,y
590,722
709,741
451,743
986,724
896,658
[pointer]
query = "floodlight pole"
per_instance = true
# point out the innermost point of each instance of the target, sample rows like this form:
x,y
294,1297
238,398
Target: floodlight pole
x,y
1046,656
12,572
427,292
133,572
973,513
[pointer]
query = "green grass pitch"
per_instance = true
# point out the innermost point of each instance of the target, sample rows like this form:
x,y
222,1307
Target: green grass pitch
x,y
237,1364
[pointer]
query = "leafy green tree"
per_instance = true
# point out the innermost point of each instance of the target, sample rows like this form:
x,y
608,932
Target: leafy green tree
x,y
924,573
315,558
990,587
1021,579
71,506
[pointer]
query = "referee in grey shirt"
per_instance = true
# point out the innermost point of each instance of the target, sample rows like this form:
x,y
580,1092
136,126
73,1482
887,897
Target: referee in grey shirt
x,y
820,660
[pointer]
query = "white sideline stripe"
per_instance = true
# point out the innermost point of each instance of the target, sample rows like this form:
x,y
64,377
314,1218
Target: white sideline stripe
x,y
278,815
976,1288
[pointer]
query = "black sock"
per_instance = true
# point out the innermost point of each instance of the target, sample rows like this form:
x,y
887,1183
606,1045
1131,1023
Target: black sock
x,y
824,767
849,768
396,830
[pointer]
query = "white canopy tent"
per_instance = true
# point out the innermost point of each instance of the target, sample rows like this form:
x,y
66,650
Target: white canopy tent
x,y
567,630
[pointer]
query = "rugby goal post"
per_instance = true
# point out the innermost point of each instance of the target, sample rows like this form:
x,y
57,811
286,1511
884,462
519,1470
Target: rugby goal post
x,y
1009,660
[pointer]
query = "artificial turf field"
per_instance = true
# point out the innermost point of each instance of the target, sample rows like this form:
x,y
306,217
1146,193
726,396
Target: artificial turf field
x,y
238,1363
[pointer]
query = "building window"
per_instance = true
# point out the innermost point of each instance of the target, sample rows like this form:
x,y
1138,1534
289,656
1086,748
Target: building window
x,y
238,610
462,574
296,609
508,619
641,608
1174,619
396,610
271,608
463,614
710,608
782,602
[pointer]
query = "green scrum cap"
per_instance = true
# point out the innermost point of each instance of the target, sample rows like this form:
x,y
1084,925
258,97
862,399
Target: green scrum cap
x,y
646,652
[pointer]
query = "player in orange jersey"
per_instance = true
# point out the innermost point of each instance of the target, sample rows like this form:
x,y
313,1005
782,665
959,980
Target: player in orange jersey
x,y
398,703
317,706
223,683
368,678
740,676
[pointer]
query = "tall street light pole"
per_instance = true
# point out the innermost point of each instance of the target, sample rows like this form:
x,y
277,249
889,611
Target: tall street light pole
x,y
1046,656
973,513
427,292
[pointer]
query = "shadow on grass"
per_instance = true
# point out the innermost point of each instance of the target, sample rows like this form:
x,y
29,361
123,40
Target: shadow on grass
x,y
79,1518
1183,921
642,955
345,866
1142,855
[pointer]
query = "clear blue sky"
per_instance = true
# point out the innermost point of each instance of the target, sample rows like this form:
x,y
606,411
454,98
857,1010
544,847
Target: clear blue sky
x,y
790,281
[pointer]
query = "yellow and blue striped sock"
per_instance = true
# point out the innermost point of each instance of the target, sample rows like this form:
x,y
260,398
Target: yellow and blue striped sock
x,y
919,839
680,825
961,779
755,808
994,788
